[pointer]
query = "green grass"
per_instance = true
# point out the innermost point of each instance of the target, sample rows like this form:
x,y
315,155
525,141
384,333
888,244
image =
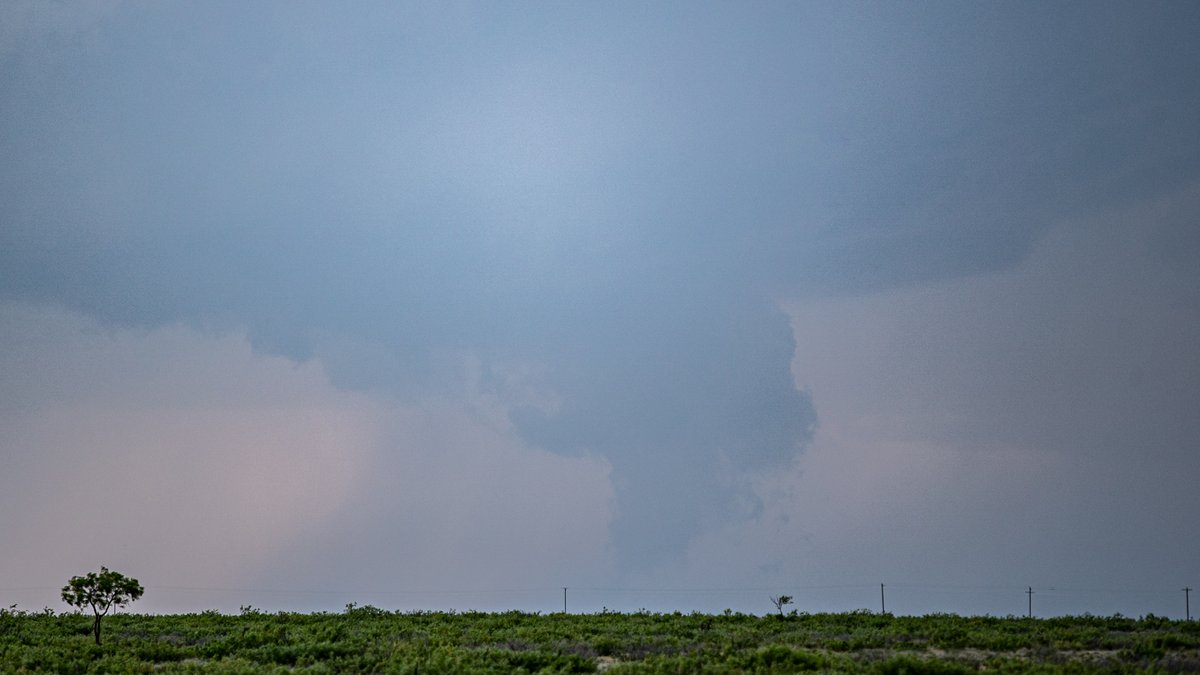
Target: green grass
x,y
369,640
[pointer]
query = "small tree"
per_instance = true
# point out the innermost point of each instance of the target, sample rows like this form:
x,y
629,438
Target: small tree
x,y
101,591
780,601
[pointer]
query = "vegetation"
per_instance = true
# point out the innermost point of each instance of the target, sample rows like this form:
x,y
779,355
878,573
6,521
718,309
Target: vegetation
x,y
101,591
371,640
780,602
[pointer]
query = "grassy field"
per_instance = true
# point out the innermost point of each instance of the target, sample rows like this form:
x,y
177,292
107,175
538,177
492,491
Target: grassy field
x,y
369,640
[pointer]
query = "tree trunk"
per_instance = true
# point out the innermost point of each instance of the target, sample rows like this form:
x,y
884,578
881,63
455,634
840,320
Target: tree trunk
x,y
96,628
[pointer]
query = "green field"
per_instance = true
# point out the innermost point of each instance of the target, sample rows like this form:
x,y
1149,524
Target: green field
x,y
369,640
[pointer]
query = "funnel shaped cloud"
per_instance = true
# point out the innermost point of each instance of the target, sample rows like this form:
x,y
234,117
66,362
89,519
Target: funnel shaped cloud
x,y
598,209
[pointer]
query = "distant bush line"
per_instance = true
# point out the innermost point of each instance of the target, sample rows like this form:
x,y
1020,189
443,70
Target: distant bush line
x,y
369,639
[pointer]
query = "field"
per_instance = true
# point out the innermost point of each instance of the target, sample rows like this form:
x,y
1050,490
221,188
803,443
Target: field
x,y
370,640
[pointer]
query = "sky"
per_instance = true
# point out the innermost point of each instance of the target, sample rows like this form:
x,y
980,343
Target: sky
x,y
679,306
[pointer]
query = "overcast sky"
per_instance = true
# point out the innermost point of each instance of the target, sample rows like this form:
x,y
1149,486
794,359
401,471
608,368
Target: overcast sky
x,y
680,305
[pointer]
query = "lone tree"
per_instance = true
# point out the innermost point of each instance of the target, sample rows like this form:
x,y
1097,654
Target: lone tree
x,y
780,601
101,591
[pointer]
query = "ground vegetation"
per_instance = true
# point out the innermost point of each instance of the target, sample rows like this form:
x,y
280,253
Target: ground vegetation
x,y
372,640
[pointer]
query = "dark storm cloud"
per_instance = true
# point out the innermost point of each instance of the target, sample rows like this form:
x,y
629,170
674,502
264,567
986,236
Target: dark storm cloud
x,y
617,195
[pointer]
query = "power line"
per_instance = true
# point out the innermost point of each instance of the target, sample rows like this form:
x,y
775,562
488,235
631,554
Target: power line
x,y
763,589
661,593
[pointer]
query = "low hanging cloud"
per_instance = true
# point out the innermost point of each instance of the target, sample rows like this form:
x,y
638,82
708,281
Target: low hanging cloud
x,y
1033,426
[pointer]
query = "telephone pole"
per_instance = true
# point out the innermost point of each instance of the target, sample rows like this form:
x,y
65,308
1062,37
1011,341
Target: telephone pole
x,y
564,599
1029,592
882,602
1187,601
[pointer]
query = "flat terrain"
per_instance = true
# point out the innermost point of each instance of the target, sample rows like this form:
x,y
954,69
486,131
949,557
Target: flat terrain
x,y
369,640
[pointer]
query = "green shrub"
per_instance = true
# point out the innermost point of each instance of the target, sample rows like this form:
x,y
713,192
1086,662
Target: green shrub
x,y
911,665
781,659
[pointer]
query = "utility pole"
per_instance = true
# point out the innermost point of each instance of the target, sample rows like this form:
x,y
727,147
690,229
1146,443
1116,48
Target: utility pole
x,y
1029,592
882,601
564,599
1187,601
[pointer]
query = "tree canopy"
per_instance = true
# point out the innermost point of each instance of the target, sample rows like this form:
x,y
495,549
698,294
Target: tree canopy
x,y
101,591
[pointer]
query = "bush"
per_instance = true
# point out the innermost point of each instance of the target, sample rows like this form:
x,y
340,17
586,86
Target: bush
x,y
911,665
781,659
